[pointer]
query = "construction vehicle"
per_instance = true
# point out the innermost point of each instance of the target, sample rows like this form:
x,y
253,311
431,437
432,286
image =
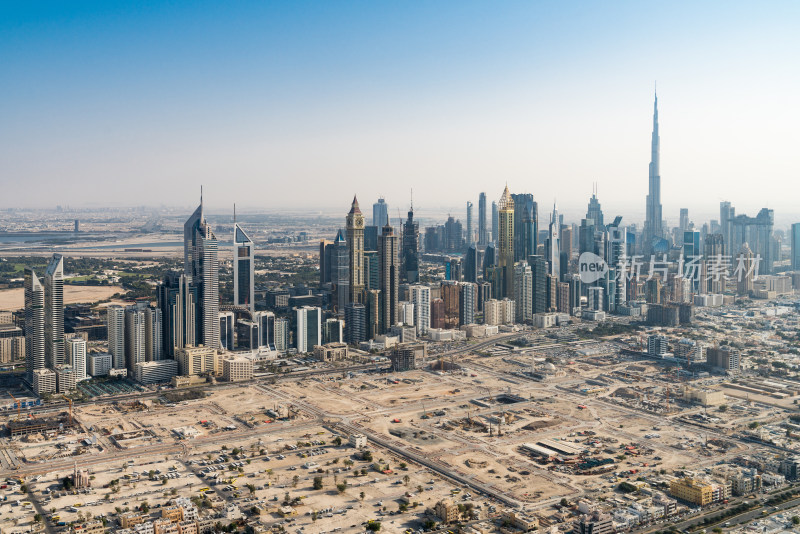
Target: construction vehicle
x,y
19,405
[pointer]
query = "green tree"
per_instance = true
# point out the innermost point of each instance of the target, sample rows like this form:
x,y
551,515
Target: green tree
x,y
37,518
361,495
317,483
341,487
337,441
373,526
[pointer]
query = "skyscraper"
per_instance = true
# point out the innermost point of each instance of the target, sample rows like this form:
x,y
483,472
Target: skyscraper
x,y
115,315
795,245
389,273
421,298
553,246
757,233
495,221
309,328
594,211
76,356
243,268
411,248
714,250
355,247
523,287
526,226
505,242
177,299
380,214
54,354
653,220
153,332
135,338
483,231
34,324
744,278
471,267
726,215
340,272
469,223
539,280
355,323
683,220
201,265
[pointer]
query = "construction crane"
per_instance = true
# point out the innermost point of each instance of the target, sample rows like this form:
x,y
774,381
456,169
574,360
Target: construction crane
x,y
70,408
19,405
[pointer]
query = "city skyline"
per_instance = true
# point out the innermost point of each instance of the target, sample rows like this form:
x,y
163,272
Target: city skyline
x,y
452,113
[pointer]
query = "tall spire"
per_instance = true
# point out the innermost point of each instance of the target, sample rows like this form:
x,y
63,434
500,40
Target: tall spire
x,y
653,220
234,213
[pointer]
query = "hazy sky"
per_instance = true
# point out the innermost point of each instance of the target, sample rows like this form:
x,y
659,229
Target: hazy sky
x,y
278,104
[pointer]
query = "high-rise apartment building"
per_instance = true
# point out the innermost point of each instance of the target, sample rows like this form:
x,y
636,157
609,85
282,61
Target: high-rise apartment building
x,y
135,339
243,268
523,287
505,242
115,317
340,272
355,323
54,312
309,328
76,356
467,302
483,231
746,270
420,296
794,240
495,221
389,273
34,325
153,332
470,235
201,266
471,268
355,248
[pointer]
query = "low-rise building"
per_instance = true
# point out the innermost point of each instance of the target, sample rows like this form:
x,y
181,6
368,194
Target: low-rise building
x,y
692,490
155,372
357,440
44,381
98,364
446,511
330,352
237,369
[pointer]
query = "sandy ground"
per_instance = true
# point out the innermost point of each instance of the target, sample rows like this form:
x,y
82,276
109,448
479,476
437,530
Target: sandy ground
x,y
14,299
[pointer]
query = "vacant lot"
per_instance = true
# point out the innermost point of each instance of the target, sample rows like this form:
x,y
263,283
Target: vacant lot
x,y
14,299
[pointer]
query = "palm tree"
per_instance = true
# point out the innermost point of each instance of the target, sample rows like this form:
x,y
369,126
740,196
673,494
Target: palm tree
x,y
406,478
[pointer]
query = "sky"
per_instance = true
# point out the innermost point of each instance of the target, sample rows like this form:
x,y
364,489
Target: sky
x,y
276,105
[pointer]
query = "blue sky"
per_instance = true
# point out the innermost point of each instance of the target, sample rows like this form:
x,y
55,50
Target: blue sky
x,y
278,104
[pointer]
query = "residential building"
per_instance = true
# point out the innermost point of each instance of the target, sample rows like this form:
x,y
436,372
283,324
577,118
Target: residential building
x,y
54,352
34,325
76,356
309,328
237,369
